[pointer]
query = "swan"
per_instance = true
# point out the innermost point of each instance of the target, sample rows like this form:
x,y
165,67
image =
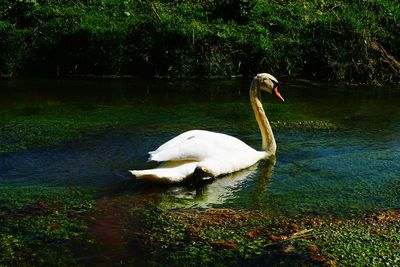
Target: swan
x,y
211,154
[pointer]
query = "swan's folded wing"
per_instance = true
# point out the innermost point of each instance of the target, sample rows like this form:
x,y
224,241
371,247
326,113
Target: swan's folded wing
x,y
183,149
177,140
198,145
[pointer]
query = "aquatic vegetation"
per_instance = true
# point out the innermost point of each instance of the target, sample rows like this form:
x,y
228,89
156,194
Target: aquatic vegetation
x,y
306,125
45,124
373,240
41,224
248,238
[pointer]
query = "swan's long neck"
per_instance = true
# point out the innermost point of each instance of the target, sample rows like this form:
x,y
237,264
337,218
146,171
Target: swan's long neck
x,y
268,140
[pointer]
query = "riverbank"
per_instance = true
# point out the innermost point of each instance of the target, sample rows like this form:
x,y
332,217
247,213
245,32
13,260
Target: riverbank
x,y
330,40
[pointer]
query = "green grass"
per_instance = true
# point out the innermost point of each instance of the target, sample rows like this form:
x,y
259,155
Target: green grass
x,y
325,40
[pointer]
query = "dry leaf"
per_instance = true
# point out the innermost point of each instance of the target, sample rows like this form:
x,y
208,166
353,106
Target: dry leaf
x,y
228,244
312,248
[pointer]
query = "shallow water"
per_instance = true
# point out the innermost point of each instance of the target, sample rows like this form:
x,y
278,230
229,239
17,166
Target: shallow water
x,y
349,167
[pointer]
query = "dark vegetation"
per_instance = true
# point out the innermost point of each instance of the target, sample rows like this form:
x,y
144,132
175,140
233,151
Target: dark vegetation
x,y
56,226
326,40
254,238
43,225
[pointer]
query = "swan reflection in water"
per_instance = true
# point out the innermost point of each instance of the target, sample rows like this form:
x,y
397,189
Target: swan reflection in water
x,y
221,190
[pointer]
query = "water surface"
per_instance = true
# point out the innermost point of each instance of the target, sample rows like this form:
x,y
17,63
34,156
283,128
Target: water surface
x,y
347,161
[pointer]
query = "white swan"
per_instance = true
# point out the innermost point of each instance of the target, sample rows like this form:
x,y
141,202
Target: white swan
x,y
214,154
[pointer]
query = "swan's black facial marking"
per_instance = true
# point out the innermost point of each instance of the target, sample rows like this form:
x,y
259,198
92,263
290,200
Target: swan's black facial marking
x,y
275,85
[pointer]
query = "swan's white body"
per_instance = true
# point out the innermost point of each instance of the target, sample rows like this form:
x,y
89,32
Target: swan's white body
x,y
215,154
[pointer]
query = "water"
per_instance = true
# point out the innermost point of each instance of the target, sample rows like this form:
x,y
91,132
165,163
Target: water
x,y
346,162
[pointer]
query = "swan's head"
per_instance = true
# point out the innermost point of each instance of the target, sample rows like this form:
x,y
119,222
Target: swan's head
x,y
268,83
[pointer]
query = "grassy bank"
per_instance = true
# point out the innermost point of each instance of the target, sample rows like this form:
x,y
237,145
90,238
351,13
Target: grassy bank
x,y
325,40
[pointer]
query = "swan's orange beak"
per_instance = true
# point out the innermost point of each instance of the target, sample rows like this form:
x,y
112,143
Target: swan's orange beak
x,y
278,95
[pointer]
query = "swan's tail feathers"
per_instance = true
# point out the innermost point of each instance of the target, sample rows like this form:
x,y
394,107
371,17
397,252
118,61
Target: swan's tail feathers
x,y
169,172
158,176
146,175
